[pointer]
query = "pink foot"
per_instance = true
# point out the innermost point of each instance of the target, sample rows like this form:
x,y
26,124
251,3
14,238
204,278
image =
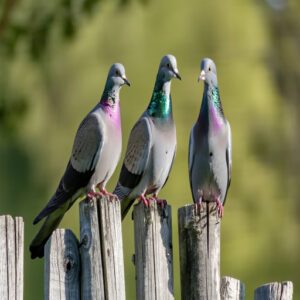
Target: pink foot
x,y
111,196
198,204
143,199
90,196
160,202
219,207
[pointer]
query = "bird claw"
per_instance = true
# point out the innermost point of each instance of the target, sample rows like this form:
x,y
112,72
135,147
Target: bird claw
x,y
90,196
219,207
144,200
198,206
102,193
161,202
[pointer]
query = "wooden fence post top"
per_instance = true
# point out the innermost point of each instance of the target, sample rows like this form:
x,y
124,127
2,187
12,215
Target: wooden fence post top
x,y
275,291
152,209
102,249
11,257
199,250
153,252
232,289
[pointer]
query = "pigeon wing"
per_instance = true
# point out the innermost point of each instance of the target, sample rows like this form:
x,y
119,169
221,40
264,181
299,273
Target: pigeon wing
x,y
85,154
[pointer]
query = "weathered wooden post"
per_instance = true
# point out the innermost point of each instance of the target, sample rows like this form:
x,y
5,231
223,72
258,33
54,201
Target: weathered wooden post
x,y
11,257
153,252
199,250
232,289
275,291
62,266
102,250
92,279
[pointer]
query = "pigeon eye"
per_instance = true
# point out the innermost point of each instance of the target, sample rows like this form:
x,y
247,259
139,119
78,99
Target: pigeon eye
x,y
209,69
168,65
117,73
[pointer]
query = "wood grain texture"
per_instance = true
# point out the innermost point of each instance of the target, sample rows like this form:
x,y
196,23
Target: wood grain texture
x,y
92,283
275,291
102,250
153,252
112,248
11,257
62,266
232,289
199,250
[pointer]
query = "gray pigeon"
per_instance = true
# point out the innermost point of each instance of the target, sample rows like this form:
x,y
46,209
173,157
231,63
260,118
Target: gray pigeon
x,y
95,154
210,144
152,144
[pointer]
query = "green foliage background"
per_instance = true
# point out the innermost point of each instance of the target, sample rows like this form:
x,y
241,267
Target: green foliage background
x,y
53,64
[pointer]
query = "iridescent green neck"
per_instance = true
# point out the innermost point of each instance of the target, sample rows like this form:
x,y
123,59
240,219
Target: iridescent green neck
x,y
213,97
160,105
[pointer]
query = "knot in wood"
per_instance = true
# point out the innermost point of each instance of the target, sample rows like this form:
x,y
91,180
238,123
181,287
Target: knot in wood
x,y
69,263
70,267
86,239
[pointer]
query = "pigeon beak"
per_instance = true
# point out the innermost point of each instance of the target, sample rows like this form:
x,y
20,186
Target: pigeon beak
x,y
176,73
125,80
201,76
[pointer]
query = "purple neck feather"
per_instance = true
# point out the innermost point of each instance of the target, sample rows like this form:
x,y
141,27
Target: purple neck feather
x,y
112,110
215,118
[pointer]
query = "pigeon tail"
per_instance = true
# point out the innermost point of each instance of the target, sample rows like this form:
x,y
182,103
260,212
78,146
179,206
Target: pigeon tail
x,y
125,206
51,223
122,193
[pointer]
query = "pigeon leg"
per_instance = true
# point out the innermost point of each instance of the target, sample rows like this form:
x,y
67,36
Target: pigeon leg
x,y
219,207
104,192
160,202
198,203
90,196
111,196
143,199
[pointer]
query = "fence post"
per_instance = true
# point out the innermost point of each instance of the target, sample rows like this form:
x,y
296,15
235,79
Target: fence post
x,y
92,285
232,289
62,266
11,257
153,252
275,291
199,250
102,249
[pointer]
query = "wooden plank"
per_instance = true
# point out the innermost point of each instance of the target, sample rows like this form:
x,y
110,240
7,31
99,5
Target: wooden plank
x,y
11,257
275,291
232,289
92,285
4,290
112,248
19,227
153,252
11,260
199,250
62,266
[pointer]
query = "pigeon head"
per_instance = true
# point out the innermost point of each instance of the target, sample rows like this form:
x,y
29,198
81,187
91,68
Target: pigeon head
x,y
168,68
116,75
208,72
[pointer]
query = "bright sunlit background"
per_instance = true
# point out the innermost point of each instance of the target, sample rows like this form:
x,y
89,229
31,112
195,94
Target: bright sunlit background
x,y
54,59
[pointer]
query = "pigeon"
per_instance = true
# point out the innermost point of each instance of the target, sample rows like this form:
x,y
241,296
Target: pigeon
x,y
210,145
95,154
152,144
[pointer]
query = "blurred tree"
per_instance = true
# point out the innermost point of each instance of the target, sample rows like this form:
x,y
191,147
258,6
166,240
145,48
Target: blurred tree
x,y
34,21
284,63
